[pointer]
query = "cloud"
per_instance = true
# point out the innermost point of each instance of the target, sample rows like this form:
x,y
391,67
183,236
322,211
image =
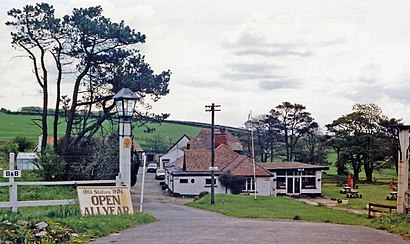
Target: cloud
x,y
253,67
248,76
273,53
278,84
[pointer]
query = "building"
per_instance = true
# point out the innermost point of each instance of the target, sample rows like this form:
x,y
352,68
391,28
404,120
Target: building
x,y
190,175
294,178
176,151
24,160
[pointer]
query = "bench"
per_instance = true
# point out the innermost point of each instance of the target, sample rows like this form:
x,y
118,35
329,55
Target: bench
x,y
373,210
392,196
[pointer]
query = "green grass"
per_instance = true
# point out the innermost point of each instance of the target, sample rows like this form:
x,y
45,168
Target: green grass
x,y
13,125
370,193
244,206
69,217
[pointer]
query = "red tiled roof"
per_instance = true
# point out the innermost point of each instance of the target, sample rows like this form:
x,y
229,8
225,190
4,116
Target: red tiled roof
x,y
222,136
199,160
243,166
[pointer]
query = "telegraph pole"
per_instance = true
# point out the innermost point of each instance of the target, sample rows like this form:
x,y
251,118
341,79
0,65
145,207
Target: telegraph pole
x,y
212,108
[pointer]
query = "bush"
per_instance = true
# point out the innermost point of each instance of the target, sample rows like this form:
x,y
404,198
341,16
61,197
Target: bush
x,y
233,183
23,143
202,194
49,165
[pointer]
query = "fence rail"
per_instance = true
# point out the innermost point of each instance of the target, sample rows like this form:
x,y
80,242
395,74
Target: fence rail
x,y
13,203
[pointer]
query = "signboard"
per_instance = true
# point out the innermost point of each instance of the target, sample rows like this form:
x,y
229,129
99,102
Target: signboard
x,y
127,142
11,173
104,200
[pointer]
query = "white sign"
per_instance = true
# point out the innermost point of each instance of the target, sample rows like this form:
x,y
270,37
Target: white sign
x,y
11,173
104,200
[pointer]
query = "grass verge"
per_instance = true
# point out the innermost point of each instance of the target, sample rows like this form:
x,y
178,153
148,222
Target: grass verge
x,y
244,206
64,224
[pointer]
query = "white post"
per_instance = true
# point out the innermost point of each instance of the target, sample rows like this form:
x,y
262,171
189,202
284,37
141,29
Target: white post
x,y
143,180
124,176
13,186
403,178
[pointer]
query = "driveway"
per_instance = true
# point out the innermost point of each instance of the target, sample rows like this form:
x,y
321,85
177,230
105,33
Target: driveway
x,y
181,224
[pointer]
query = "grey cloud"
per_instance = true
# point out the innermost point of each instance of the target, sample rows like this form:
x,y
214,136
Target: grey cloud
x,y
278,84
248,76
269,53
252,41
253,68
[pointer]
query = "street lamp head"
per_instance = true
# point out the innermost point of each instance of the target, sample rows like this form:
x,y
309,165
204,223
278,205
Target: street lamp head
x,y
125,101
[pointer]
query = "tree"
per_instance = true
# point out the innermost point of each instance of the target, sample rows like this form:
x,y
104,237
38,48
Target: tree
x,y
98,55
293,122
312,148
37,34
362,139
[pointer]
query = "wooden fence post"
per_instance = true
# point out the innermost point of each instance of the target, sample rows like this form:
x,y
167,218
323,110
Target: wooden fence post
x,y
13,187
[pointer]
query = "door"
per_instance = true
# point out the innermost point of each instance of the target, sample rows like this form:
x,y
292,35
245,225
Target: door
x,y
289,185
297,185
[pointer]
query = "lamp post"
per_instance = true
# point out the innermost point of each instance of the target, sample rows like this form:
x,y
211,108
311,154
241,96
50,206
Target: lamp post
x,y
125,101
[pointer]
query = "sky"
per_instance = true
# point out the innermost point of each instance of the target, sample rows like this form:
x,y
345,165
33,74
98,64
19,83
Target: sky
x,y
251,55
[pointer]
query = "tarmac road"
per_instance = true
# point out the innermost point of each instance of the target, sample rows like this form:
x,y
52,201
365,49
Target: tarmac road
x,y
181,224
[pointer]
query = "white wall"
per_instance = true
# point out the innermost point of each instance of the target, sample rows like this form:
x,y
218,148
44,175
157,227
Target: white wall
x,y
196,185
264,186
175,152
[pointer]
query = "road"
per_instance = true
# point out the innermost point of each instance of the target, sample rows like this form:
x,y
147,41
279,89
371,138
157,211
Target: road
x,y
181,224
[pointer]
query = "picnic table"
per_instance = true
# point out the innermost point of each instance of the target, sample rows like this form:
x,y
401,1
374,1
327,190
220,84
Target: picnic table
x,y
345,189
392,196
351,193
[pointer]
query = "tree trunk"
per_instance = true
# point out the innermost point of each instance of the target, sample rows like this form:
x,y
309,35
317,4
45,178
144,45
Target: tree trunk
x,y
368,169
58,100
356,164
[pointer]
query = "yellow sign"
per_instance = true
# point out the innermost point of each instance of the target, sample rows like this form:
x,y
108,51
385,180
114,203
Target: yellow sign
x,y
127,142
104,200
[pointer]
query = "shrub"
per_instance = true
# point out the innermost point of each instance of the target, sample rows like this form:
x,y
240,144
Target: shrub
x,y
202,194
233,183
23,143
49,165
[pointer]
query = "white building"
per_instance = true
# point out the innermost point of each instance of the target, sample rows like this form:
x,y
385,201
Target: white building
x,y
175,152
294,178
190,175
24,160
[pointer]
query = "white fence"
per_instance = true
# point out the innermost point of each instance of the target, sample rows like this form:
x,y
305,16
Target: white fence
x,y
13,203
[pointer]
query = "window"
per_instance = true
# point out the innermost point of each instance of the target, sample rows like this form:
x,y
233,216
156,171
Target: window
x,y
250,185
281,183
309,183
209,181
281,172
183,181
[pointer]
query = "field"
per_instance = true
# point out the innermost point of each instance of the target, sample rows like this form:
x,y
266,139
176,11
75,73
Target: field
x,y
13,125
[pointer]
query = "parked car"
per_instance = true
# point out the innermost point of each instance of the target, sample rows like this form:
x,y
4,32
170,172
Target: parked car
x,y
152,167
160,174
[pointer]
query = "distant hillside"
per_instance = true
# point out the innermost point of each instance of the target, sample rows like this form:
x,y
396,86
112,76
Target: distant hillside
x,y
12,125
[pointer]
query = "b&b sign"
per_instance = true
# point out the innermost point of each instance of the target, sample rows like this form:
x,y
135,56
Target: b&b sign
x,y
11,173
